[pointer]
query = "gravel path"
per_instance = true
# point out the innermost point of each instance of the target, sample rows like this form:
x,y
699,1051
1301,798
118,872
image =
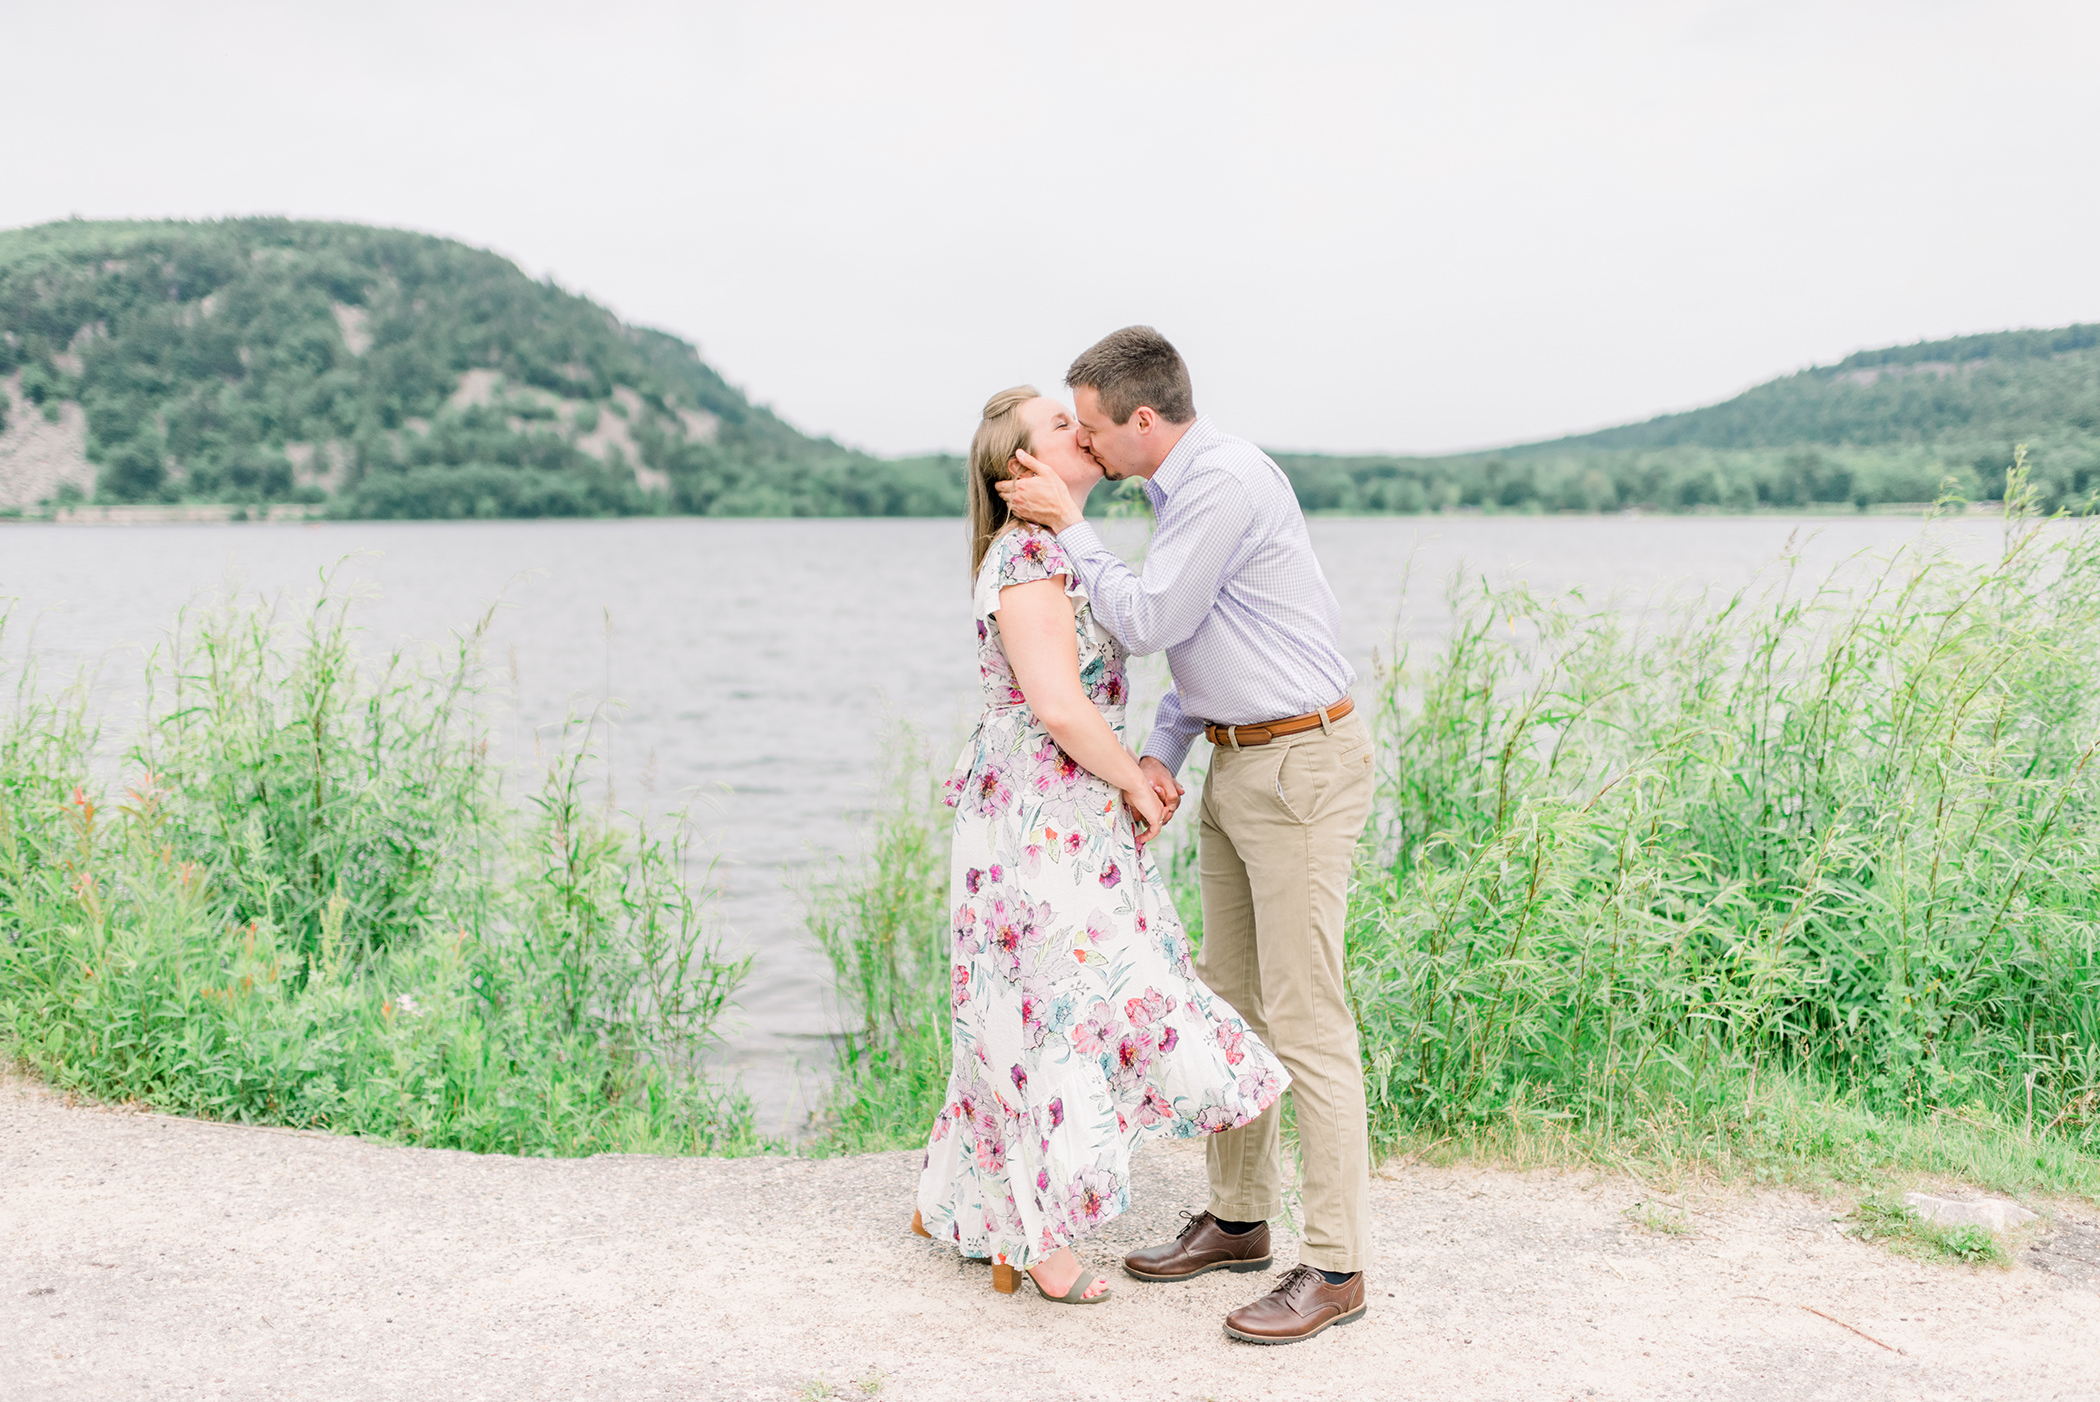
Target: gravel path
x,y
147,1256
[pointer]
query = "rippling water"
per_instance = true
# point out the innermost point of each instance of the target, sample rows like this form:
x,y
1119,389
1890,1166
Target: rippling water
x,y
763,666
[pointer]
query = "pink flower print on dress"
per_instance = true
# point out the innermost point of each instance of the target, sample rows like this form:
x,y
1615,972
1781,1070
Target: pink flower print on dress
x,y
969,935
992,794
991,1144
1097,1032
973,880
1093,1193
1047,556
1259,1086
1031,860
1145,1011
1111,874
1020,1080
1055,771
1035,1011
1232,1036
959,986
1133,1058
952,790
1016,927
1084,944
1154,1108
1073,842
1213,1118
1057,1112
1056,778
1167,1040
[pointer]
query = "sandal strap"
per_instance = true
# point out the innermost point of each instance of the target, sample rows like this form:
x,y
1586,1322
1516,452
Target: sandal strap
x,y
1077,1294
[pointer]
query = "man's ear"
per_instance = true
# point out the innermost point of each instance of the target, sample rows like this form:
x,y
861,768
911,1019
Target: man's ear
x,y
1145,418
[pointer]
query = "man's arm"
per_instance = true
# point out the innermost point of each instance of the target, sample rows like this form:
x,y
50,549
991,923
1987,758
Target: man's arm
x,y
1173,732
1185,566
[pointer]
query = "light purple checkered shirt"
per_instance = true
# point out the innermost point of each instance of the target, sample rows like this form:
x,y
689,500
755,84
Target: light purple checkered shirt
x,y
1230,589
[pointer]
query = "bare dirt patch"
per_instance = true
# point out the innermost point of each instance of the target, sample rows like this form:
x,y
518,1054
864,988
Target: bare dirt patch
x,y
141,1255
351,322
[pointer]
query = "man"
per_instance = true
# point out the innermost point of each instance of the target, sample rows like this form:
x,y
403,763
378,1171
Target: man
x,y
1232,592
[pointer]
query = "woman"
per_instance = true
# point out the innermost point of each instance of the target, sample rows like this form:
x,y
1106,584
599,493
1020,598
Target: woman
x,y
1080,1029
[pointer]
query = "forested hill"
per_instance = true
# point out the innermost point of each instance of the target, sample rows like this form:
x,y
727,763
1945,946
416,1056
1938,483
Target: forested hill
x,y
1901,424
380,373
1986,390
371,372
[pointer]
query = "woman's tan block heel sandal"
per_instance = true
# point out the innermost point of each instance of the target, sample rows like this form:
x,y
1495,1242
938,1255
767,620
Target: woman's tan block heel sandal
x,y
1007,1279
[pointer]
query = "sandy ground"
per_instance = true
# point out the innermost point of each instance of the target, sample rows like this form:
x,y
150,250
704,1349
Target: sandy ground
x,y
143,1256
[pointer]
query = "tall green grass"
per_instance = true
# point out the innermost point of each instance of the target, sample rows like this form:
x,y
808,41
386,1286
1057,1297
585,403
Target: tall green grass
x,y
310,903
1840,832
1806,876
884,925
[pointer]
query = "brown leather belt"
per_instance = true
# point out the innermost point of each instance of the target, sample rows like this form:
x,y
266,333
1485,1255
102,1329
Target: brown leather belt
x,y
1240,736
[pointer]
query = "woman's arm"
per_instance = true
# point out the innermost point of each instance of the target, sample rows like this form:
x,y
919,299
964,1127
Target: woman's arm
x,y
1035,624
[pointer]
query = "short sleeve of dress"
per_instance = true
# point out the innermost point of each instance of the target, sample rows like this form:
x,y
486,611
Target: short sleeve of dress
x,y
1022,556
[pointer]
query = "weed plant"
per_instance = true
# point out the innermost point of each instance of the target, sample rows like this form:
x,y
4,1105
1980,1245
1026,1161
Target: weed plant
x,y
884,926
1898,1226
1799,885
313,906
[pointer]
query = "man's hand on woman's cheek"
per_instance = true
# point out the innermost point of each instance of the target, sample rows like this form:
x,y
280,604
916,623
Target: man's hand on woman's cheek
x,y
1039,496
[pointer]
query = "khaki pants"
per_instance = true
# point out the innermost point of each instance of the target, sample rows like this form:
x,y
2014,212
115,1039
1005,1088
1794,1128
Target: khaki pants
x,y
1279,830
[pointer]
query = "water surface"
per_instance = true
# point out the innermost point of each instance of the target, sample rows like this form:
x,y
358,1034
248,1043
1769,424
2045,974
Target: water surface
x,y
761,668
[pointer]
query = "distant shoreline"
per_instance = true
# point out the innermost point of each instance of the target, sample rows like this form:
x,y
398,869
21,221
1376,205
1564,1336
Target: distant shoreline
x,y
282,514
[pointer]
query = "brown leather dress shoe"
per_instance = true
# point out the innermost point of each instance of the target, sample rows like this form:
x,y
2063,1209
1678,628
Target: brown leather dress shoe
x,y
1300,1306
1203,1246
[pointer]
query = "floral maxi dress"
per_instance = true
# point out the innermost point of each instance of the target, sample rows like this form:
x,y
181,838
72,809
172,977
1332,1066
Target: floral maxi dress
x,y
1080,1028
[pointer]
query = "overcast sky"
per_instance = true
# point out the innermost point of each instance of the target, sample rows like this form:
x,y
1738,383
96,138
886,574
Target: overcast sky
x,y
1382,226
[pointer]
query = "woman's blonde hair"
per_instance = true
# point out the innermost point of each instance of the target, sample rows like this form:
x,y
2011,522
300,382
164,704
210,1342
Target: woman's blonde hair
x,y
1000,434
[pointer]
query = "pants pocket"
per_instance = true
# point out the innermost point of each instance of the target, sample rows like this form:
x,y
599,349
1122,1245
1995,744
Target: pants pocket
x,y
1303,777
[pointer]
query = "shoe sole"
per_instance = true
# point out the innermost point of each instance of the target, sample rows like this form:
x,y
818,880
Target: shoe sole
x,y
1236,1267
1350,1318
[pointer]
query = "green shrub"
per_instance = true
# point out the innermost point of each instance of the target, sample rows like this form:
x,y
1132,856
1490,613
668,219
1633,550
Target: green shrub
x,y
311,906
884,927
1842,831
1802,886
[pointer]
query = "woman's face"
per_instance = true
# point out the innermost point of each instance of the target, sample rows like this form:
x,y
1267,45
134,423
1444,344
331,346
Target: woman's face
x,y
1056,445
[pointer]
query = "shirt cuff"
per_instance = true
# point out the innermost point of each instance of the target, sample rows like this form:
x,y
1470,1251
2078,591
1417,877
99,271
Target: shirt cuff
x,y
1170,743
1170,750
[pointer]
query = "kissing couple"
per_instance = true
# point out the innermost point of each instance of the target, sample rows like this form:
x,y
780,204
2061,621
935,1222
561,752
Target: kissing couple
x,y
1082,1027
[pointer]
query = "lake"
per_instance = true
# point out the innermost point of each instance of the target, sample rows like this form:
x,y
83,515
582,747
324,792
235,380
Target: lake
x,y
761,669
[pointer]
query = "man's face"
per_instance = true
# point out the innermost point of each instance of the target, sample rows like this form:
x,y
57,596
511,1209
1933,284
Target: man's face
x,y
1119,448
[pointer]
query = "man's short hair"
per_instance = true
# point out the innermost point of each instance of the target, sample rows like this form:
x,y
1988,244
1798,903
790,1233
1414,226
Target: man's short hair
x,y
1132,367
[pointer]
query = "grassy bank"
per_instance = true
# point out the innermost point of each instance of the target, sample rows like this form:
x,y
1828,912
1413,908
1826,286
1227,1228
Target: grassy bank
x,y
1802,885
306,901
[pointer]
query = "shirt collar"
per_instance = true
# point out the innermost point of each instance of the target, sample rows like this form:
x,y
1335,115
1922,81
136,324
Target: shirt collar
x,y
1200,436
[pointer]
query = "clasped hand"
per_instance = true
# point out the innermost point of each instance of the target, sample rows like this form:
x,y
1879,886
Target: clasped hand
x,y
1153,806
